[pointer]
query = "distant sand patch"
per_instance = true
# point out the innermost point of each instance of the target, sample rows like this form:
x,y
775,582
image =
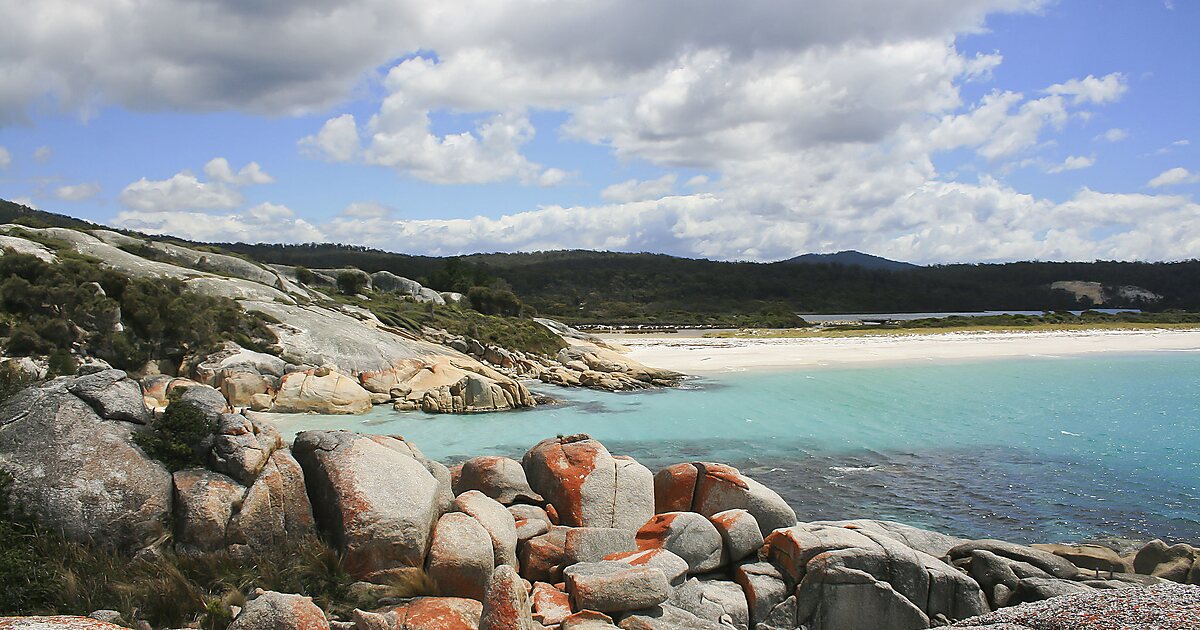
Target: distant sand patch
x,y
707,355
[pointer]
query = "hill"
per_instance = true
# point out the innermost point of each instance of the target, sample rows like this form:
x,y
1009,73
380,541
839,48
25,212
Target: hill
x,y
643,288
851,258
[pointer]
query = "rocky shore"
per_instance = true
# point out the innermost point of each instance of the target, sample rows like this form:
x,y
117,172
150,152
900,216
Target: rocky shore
x,y
330,357
570,537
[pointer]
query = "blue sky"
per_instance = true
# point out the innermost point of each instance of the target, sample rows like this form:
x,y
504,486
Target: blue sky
x,y
923,130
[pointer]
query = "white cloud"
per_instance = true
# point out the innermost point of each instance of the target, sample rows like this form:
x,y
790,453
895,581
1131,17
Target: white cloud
x,y
696,181
218,170
1181,143
182,191
1073,163
216,54
1089,89
553,177
337,141
42,154
935,222
1000,125
401,138
1174,177
25,201
640,190
185,192
5,158
819,121
77,192
1113,135
263,223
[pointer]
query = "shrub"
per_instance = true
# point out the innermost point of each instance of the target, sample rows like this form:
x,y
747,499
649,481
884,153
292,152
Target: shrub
x,y
174,439
495,301
61,363
351,283
305,276
77,303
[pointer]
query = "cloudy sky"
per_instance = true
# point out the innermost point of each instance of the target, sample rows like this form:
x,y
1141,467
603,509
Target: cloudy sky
x,y
923,130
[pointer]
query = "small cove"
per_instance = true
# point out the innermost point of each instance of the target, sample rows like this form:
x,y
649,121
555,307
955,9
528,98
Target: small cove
x,y
1032,449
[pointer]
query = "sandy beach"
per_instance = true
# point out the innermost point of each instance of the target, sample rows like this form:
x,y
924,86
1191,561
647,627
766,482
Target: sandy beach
x,y
704,355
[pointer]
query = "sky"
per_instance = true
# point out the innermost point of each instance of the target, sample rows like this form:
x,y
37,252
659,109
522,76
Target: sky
x,y
930,131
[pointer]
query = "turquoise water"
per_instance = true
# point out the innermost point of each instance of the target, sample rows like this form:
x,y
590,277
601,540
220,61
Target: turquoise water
x,y
1030,450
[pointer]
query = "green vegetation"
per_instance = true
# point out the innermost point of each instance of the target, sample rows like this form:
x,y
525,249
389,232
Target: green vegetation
x,y
1050,321
495,301
175,438
513,333
42,573
304,275
78,305
617,288
655,289
351,283
1063,318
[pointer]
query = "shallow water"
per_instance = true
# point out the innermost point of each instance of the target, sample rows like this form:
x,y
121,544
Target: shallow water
x,y
1027,450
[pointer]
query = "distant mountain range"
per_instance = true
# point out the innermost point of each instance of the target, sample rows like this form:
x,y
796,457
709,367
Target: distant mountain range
x,y
851,258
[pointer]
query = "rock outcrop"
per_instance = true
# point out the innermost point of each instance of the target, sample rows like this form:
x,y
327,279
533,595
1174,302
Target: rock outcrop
x,y
320,391
270,610
313,332
78,470
376,503
587,485
586,550
709,489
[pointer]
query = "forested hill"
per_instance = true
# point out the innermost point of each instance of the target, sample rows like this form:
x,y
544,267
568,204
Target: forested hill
x,y
603,287
615,287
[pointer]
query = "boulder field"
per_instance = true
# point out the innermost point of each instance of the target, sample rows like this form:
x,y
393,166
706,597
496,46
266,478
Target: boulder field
x,y
571,536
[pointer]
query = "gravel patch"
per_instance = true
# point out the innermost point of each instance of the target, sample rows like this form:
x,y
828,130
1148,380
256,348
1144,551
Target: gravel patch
x,y
1162,607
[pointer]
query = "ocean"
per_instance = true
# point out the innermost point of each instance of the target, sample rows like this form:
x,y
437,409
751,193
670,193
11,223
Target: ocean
x,y
1043,449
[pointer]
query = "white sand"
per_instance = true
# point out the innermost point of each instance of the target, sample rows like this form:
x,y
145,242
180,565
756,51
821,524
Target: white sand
x,y
695,355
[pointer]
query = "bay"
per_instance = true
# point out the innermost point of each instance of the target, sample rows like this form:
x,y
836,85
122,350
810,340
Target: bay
x,y
1029,450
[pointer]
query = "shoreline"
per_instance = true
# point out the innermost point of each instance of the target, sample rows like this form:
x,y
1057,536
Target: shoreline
x,y
707,355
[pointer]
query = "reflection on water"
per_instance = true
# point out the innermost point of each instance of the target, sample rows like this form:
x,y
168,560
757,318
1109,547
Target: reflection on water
x,y
1035,449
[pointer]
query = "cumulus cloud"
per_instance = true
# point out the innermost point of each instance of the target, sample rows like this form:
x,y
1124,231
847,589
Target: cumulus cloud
x,y
1090,89
180,54
936,222
640,190
219,170
1073,163
42,154
186,192
337,141
1174,177
553,177
819,122
182,191
5,158
77,192
262,223
1113,135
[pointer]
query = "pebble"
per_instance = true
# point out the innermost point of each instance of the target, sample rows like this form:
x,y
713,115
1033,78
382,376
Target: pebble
x,y
1162,607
